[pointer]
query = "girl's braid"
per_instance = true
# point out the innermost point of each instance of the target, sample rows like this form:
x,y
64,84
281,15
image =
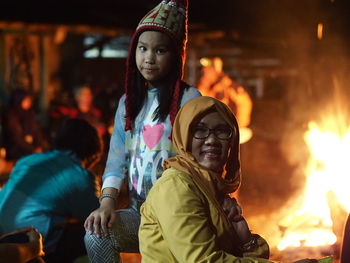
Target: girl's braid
x,y
129,98
174,106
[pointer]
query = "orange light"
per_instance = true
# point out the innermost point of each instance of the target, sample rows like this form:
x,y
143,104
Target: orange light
x,y
319,31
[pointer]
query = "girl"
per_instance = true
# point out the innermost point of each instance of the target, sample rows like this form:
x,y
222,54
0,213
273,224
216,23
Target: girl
x,y
141,138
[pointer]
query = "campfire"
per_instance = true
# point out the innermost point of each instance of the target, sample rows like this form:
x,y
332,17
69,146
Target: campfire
x,y
315,227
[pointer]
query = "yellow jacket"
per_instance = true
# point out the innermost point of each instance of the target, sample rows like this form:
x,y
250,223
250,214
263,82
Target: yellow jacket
x,y
180,224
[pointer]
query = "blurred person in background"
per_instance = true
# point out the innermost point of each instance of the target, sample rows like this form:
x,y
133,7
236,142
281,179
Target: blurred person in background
x,y
82,107
54,191
86,110
22,133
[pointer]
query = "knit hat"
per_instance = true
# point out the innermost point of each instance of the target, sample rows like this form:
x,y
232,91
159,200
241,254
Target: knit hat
x,y
169,17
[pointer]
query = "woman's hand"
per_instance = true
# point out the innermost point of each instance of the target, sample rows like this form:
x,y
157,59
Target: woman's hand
x,y
242,230
234,215
101,219
232,209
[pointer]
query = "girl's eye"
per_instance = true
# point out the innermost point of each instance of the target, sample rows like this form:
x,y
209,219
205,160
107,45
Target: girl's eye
x,y
142,48
161,51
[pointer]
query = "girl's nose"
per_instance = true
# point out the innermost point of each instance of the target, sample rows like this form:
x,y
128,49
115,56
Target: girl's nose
x,y
149,58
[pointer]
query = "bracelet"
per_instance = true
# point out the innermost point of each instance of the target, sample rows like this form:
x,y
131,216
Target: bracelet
x,y
250,245
107,196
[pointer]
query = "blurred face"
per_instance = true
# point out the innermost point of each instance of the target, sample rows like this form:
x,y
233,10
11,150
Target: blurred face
x,y
154,56
211,140
84,97
26,103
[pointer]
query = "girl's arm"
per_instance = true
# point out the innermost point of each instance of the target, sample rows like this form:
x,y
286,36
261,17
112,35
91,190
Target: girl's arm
x,y
103,218
116,165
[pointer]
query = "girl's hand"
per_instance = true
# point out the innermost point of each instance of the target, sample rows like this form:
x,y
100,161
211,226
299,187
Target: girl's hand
x,y
101,219
35,242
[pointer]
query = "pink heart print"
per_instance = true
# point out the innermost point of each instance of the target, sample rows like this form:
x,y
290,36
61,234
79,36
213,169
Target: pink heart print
x,y
152,134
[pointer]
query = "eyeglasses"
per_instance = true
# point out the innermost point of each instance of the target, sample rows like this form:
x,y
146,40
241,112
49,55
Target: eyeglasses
x,y
202,132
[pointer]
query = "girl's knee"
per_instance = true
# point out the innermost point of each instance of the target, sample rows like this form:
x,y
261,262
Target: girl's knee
x,y
91,239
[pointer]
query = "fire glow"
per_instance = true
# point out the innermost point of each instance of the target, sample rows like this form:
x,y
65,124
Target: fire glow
x,y
327,171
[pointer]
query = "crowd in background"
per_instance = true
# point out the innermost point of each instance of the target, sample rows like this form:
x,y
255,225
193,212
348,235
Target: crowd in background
x,y
25,130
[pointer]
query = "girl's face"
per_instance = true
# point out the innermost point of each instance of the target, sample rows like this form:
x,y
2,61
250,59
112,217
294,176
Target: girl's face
x,y
154,56
211,140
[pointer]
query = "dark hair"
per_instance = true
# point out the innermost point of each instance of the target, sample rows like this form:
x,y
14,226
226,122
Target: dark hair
x,y
78,136
80,86
165,95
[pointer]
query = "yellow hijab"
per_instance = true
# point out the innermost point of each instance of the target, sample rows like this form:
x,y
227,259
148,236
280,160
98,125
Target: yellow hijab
x,y
217,184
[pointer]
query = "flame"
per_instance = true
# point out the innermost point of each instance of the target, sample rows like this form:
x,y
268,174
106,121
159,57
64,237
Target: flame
x,y
327,171
332,150
319,31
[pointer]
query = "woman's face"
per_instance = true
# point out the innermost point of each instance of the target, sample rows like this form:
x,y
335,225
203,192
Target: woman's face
x,y
211,152
154,56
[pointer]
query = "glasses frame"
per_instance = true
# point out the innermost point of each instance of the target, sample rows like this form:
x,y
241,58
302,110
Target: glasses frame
x,y
211,131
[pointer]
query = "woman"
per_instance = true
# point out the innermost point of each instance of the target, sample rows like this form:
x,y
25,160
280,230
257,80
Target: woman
x,y
182,219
